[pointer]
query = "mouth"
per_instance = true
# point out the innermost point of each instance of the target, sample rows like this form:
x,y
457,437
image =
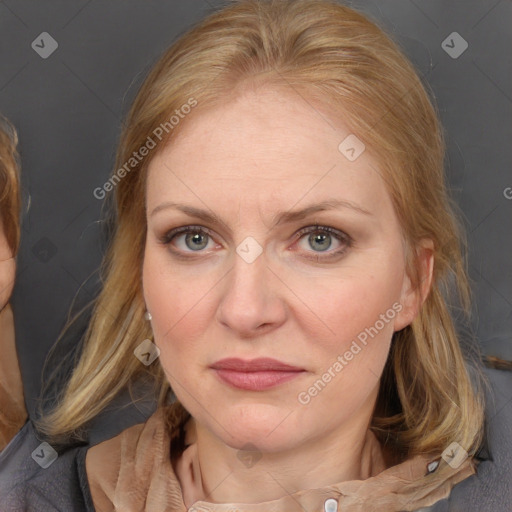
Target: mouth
x,y
255,375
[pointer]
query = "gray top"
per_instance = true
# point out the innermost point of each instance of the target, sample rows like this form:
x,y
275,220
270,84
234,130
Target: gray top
x,y
32,479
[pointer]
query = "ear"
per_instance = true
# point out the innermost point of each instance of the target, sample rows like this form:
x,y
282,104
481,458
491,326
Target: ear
x,y
412,298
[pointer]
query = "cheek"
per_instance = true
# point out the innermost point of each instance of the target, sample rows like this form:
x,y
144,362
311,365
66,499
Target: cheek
x,y
350,354
7,274
344,305
178,302
349,336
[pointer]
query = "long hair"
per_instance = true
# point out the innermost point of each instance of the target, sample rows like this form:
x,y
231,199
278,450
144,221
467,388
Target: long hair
x,y
10,197
333,55
12,405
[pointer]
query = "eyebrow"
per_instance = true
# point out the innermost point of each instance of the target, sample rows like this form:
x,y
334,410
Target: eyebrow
x,y
285,217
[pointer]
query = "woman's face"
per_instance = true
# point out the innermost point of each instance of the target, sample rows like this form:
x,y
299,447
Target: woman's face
x,y
322,291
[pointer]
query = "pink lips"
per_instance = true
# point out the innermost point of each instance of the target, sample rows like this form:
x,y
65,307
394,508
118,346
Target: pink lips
x,y
256,374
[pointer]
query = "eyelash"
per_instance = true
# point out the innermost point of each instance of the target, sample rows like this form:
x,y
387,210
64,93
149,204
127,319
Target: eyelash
x,y
339,235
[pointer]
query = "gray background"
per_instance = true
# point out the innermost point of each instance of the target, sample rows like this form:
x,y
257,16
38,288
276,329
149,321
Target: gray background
x,y
69,108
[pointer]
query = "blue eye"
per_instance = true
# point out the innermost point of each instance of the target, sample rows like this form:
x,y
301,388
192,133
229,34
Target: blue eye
x,y
320,239
195,239
190,239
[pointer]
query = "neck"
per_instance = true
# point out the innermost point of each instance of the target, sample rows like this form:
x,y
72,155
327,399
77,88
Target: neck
x,y
348,452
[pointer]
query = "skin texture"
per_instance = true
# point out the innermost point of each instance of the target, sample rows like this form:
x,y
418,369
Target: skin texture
x,y
7,268
258,155
12,404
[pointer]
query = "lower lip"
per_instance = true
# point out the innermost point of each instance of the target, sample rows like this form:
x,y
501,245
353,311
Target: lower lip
x,y
256,381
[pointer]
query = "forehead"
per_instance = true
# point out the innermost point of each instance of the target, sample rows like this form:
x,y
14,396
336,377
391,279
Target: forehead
x,y
265,146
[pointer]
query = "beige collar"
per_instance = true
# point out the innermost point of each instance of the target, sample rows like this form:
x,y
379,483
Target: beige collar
x,y
133,471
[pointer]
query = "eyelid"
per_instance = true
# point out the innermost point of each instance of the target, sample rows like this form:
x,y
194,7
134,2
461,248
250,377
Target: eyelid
x,y
341,236
169,235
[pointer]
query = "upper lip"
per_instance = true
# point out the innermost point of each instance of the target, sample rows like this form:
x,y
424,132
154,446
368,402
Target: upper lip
x,y
254,365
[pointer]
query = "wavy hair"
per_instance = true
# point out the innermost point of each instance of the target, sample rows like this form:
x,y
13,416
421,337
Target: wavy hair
x,y
430,392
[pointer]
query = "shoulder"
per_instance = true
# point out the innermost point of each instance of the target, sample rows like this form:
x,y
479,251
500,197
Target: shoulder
x,y
34,476
491,487
123,467
107,455
103,465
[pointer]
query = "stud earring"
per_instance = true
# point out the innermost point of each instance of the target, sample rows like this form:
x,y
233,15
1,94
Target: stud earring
x,y
147,315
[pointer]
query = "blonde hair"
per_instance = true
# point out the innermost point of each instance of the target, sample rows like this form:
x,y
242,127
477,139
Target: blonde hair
x,y
334,55
10,197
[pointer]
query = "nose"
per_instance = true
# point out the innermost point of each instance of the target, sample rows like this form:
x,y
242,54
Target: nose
x,y
252,301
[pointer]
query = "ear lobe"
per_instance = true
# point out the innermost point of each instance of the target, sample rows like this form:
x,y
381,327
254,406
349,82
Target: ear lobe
x,y
413,298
